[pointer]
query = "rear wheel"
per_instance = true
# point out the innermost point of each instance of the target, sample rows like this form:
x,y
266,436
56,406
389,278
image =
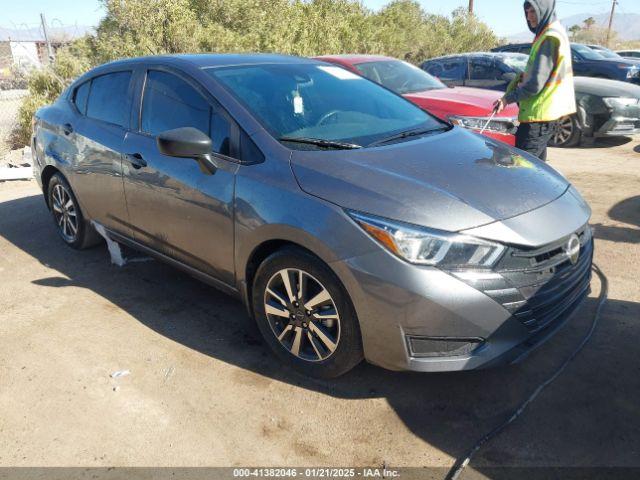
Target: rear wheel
x,y
305,315
72,227
567,133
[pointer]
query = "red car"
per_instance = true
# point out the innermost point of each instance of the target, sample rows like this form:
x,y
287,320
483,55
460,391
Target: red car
x,y
463,106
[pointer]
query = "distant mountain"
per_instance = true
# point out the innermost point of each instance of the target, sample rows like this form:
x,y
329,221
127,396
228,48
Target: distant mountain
x,y
625,24
57,34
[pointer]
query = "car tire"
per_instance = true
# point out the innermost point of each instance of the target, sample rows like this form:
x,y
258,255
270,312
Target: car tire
x,y
567,133
318,340
70,223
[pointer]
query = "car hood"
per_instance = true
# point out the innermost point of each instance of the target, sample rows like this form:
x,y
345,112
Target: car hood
x,y
602,87
461,101
451,181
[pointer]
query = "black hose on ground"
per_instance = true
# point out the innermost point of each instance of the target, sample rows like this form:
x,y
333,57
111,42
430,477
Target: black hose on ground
x,y
462,463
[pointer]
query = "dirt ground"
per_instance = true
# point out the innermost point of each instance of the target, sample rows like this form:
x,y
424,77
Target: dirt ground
x,y
203,392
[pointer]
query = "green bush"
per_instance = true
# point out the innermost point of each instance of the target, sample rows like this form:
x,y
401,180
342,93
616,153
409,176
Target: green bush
x,y
298,27
45,85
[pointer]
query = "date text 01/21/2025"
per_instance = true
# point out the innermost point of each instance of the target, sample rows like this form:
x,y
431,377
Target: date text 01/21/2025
x,y
316,472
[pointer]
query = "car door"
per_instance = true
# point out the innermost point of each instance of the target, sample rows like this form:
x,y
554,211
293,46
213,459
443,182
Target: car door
x,y
103,104
174,207
484,73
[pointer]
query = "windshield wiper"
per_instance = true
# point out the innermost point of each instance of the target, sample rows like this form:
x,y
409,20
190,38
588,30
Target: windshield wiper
x,y
321,142
408,133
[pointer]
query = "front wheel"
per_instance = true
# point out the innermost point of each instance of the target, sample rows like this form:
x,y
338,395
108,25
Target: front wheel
x,y
305,316
567,133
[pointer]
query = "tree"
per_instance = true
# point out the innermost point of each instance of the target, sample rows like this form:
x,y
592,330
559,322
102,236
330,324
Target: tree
x,y
589,22
574,31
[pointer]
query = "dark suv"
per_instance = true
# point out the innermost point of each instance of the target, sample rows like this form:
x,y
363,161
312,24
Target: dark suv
x,y
492,71
605,107
589,63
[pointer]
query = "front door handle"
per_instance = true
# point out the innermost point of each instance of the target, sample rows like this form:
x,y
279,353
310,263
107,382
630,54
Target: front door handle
x,y
67,128
136,160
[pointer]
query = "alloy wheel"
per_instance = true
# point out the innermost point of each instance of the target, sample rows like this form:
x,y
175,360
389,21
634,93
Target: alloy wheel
x,y
65,213
563,131
302,315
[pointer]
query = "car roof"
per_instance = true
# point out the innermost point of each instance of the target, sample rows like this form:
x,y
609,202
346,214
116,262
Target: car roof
x,y
478,54
511,45
355,58
210,60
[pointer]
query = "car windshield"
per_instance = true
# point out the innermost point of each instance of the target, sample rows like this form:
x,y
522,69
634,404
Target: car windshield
x,y
322,103
516,61
399,76
586,52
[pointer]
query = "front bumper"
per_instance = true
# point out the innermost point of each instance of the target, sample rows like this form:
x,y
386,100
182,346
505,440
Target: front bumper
x,y
501,317
621,121
619,126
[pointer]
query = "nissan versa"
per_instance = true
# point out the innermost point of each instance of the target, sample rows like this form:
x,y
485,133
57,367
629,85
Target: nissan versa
x,y
351,223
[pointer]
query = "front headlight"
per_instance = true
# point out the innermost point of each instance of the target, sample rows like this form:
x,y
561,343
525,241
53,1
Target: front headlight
x,y
424,246
633,72
500,125
620,102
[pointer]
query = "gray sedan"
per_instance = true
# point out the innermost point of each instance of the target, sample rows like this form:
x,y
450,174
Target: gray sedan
x,y
351,223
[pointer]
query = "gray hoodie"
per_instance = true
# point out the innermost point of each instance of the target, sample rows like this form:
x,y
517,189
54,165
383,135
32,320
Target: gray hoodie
x,y
538,74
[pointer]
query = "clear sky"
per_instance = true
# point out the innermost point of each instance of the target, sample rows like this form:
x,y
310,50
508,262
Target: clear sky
x,y
504,16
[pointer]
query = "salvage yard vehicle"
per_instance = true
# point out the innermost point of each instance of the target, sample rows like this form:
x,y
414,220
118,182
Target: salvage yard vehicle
x,y
350,222
607,52
588,62
629,54
605,108
467,107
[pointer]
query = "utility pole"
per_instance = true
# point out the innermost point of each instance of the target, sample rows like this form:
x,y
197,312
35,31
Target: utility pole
x,y
613,9
471,6
46,37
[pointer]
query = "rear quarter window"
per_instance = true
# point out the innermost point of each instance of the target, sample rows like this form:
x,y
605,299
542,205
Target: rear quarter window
x,y
80,97
109,98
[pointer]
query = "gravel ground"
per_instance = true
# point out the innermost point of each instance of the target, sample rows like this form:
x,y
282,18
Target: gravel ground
x,y
204,392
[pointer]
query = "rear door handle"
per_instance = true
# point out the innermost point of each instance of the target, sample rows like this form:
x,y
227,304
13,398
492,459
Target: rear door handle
x,y
136,160
67,128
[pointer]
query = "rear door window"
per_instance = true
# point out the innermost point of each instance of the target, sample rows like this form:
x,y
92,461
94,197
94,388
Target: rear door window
x,y
484,69
109,99
170,102
484,72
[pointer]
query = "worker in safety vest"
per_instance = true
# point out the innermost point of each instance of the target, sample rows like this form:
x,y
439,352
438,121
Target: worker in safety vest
x,y
545,90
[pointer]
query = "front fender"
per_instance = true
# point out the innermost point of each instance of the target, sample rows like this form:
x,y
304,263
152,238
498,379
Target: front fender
x,y
271,207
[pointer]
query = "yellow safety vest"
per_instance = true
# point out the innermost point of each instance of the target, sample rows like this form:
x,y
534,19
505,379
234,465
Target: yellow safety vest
x,y
557,99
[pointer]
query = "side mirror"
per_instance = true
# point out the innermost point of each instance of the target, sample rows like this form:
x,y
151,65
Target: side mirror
x,y
188,142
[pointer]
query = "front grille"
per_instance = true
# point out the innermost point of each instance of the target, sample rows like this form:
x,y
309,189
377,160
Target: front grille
x,y
539,285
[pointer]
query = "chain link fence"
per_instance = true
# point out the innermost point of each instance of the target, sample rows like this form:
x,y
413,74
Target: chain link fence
x,y
10,101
